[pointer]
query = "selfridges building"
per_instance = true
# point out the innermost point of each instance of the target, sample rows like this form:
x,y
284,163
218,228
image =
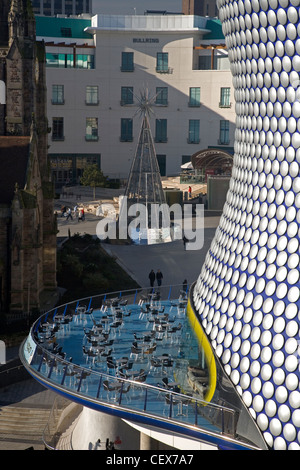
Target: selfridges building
x,y
247,296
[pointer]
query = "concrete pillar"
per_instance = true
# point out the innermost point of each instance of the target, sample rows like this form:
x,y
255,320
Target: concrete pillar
x,y
148,443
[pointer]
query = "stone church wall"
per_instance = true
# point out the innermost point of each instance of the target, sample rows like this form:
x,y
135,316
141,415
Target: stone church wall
x,y
28,235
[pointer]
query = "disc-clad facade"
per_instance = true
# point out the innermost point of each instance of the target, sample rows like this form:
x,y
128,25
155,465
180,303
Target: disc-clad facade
x,y
247,294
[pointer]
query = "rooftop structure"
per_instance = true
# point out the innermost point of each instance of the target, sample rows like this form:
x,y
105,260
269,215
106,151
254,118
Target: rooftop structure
x,y
179,23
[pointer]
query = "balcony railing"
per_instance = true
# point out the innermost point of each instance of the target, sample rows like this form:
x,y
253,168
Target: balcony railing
x,y
165,69
62,353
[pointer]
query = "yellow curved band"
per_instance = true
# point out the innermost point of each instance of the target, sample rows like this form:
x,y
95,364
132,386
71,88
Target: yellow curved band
x,y
209,355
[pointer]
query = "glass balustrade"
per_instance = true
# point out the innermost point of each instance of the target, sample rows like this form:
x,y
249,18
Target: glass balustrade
x,y
133,351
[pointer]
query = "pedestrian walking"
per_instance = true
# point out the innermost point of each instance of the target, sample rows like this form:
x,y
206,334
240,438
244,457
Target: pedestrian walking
x,y
69,214
159,276
152,277
190,192
184,285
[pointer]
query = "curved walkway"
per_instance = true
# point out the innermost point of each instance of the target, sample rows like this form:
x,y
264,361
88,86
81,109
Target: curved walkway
x,y
65,351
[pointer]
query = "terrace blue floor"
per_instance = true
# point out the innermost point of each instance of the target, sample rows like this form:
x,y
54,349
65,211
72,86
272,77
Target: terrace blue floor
x,y
134,356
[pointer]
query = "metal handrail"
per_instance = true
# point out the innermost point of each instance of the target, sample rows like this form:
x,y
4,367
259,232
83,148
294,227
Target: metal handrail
x,y
101,375
198,403
42,353
6,371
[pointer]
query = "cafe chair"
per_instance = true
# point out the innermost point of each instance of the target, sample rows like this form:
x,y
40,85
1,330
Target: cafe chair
x,y
178,403
155,365
135,352
112,389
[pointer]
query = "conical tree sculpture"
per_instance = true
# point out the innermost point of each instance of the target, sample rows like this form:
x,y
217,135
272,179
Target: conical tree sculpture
x,y
144,182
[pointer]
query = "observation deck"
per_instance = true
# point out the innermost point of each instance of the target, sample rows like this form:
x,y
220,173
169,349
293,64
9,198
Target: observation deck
x,y
136,355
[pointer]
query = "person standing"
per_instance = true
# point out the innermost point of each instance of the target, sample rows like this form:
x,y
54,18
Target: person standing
x,y
63,211
159,276
81,215
152,277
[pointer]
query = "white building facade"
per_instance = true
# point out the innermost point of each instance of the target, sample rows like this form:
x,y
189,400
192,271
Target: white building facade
x,y
96,71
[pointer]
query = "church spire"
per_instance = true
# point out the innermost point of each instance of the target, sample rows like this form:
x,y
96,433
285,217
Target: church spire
x,y
21,21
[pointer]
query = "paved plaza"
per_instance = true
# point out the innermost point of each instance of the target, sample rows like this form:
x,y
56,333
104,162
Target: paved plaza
x,y
174,261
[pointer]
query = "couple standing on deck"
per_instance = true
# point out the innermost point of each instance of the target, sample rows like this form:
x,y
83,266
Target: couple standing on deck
x,y
158,276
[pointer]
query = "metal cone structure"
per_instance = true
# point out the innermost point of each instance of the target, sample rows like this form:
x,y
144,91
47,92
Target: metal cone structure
x,y
144,182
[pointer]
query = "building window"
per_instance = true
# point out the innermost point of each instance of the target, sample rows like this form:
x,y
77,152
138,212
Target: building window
x,y
58,94
225,98
224,133
204,62
61,168
126,95
91,95
78,7
52,60
217,60
2,92
84,161
161,130
194,131
127,62
68,7
66,32
126,130
57,7
194,99
222,61
85,61
65,61
162,62
58,128
91,129
47,8
62,61
162,96
162,164
69,168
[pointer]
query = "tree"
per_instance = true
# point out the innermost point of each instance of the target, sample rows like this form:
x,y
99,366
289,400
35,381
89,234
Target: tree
x,y
93,177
